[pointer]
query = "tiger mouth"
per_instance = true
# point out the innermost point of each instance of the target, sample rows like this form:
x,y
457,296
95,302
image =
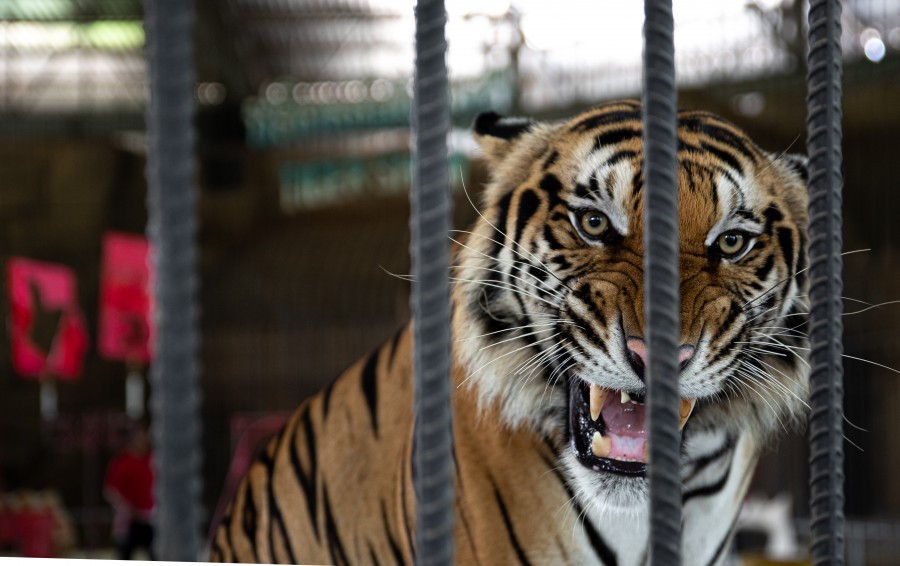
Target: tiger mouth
x,y
608,431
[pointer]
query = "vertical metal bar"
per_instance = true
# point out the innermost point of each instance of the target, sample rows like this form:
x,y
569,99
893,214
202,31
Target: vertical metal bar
x,y
430,298
661,282
172,226
826,378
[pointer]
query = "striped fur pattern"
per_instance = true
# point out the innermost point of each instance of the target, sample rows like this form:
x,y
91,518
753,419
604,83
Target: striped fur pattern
x,y
548,301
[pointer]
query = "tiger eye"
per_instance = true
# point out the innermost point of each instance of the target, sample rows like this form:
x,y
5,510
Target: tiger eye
x,y
731,243
594,223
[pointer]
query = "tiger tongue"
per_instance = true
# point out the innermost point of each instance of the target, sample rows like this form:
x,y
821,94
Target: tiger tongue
x,y
625,426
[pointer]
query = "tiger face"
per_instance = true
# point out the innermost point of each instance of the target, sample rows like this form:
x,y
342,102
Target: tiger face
x,y
549,289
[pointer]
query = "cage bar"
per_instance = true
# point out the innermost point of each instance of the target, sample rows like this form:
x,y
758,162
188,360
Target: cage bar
x,y
661,285
172,227
430,297
825,327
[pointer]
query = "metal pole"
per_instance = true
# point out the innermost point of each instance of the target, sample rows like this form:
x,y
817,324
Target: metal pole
x,y
172,226
430,298
661,284
826,349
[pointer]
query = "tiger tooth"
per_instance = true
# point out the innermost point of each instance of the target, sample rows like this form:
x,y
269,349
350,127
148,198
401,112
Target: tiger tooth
x,y
601,445
684,410
625,397
598,396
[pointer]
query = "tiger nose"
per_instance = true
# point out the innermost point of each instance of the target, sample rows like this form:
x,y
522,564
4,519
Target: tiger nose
x,y
637,355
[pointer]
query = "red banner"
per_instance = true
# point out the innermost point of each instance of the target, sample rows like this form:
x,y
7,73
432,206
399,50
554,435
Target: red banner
x,y
48,333
126,327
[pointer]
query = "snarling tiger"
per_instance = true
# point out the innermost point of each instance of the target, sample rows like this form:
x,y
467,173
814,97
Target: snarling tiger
x,y
549,358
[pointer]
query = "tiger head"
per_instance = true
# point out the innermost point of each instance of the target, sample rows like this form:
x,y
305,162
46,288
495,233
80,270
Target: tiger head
x,y
549,288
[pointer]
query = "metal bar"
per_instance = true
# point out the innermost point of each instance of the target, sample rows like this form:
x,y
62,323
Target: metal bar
x,y
172,227
430,298
661,282
826,378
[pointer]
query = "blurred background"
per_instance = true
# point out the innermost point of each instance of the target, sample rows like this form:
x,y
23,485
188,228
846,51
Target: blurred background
x,y
302,144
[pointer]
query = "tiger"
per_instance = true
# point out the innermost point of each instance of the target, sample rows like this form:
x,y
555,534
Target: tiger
x,y
549,362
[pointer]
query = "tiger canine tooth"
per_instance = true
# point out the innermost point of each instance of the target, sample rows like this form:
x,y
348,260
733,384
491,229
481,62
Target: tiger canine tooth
x,y
601,445
684,411
598,396
625,397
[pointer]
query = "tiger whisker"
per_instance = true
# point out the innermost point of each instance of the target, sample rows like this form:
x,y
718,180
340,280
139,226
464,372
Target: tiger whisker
x,y
567,504
580,517
790,277
779,340
784,331
849,441
748,381
512,263
540,265
790,349
757,376
505,287
535,374
491,224
848,356
774,328
754,317
761,350
871,306
511,352
505,340
541,318
553,292
554,377
773,160
539,361
765,380
548,362
870,362
843,297
531,375
412,279
514,328
516,372
734,392
523,367
560,370
854,425
758,358
776,382
402,277
795,327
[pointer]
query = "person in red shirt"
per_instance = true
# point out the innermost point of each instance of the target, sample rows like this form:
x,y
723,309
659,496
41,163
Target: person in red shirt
x,y
128,487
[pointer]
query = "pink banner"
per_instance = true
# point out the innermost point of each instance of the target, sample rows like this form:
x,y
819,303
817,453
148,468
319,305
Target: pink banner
x,y
126,327
48,333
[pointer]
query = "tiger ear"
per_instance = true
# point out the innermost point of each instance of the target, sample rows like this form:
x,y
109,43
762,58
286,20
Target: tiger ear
x,y
797,163
497,134
794,171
